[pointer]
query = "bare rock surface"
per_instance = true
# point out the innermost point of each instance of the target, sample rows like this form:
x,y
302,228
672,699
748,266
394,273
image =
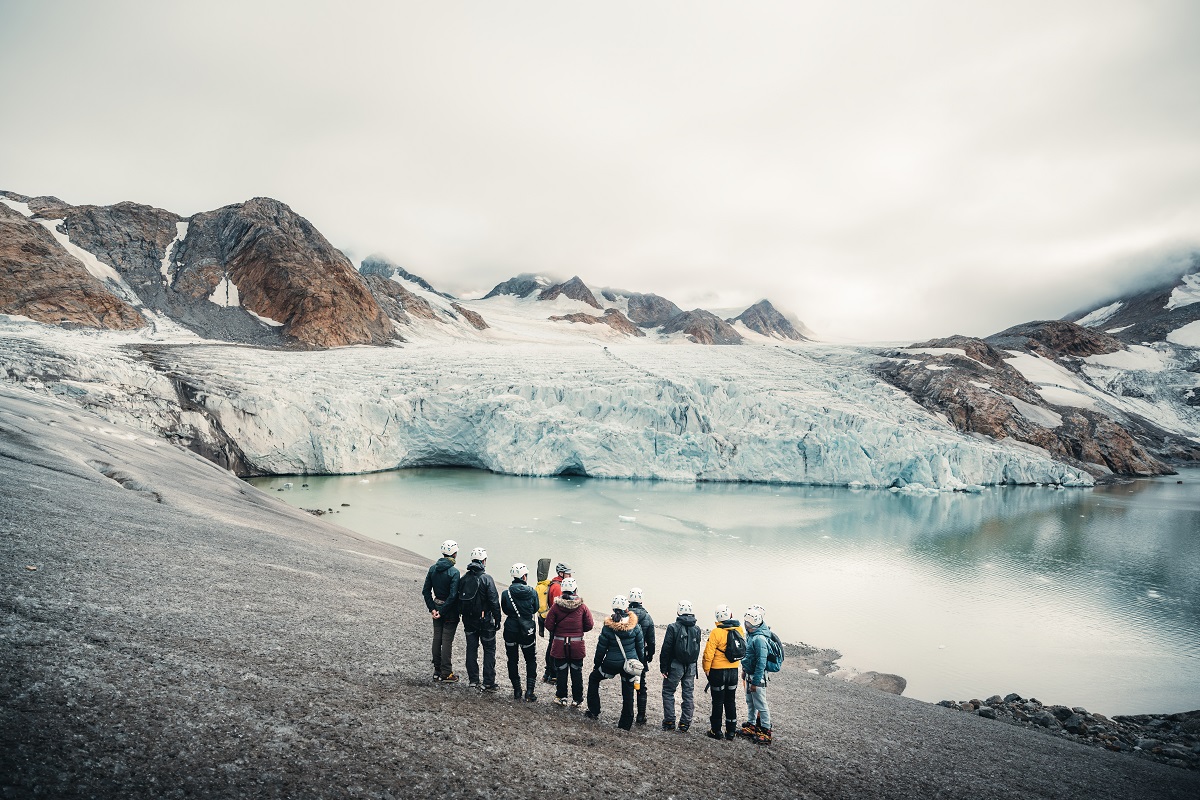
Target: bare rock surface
x,y
703,327
398,302
612,318
42,281
285,270
574,289
169,631
474,319
521,285
384,267
764,318
1054,338
645,310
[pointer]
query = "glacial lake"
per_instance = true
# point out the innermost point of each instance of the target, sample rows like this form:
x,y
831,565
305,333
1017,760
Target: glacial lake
x,y
1086,597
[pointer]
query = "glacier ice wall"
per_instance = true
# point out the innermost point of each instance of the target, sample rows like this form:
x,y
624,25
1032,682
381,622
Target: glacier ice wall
x,y
807,414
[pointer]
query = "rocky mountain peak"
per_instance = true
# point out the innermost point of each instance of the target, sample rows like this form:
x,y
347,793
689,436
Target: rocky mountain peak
x,y
645,310
1055,338
703,327
764,318
575,289
378,264
521,285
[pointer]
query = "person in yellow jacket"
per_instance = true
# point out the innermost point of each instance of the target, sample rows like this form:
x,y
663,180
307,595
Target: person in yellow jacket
x,y
725,648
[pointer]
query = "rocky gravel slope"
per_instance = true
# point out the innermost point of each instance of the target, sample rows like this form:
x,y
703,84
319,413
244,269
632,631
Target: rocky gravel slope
x,y
167,631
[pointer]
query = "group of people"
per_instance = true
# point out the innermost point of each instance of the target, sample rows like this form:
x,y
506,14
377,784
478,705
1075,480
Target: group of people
x,y
736,652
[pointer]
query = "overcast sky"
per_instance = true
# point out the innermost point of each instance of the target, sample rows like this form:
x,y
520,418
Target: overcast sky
x,y
882,170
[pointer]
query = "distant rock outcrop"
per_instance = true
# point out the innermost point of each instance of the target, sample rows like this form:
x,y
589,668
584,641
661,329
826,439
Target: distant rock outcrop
x,y
574,289
283,270
646,310
981,393
612,318
522,285
764,318
475,320
42,281
1054,338
703,327
380,265
398,302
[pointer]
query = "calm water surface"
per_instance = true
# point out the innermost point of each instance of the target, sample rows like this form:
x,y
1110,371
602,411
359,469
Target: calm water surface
x,y
1082,596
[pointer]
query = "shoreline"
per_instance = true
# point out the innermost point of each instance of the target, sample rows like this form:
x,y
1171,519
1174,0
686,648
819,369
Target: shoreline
x,y
183,634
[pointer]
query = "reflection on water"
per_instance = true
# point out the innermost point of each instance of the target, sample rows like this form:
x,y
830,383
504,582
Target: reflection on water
x,y
1083,596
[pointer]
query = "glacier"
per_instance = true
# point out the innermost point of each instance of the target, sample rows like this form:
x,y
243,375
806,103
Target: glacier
x,y
807,413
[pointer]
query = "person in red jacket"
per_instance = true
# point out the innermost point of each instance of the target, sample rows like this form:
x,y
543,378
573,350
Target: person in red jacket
x,y
553,592
569,619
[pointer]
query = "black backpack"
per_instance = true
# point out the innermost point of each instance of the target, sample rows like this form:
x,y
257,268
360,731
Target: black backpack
x,y
687,644
735,646
471,604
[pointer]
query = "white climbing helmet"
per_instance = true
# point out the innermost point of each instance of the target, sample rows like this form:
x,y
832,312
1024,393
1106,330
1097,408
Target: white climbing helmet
x,y
754,616
723,613
449,547
479,554
620,603
519,570
635,595
569,584
684,607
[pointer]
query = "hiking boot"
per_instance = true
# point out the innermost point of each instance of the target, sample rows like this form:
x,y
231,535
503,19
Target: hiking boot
x,y
516,694
683,727
451,678
577,704
530,697
475,685
669,726
730,731
749,730
491,688
437,678
713,734
590,715
641,720
549,679
763,736
562,701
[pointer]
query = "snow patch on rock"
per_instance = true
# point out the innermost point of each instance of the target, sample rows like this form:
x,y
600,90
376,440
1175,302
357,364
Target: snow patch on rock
x,y
1186,293
226,294
1100,315
1187,336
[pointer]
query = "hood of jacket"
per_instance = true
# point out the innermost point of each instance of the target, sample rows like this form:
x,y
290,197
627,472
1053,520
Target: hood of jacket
x,y
569,604
729,623
761,630
627,624
475,566
686,620
443,564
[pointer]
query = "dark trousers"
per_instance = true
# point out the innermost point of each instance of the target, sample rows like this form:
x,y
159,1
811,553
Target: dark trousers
x,y
723,683
593,696
641,693
516,645
551,663
486,636
575,667
444,629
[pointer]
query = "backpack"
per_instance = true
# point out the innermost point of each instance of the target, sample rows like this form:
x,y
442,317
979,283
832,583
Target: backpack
x,y
774,653
543,588
735,646
687,644
471,604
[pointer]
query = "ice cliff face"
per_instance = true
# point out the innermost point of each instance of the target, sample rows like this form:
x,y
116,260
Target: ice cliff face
x,y
756,413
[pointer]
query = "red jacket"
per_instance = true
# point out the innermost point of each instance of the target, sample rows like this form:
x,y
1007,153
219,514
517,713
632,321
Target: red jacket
x,y
554,590
567,622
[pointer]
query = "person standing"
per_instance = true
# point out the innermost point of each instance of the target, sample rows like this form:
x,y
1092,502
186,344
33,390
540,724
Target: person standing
x,y
569,619
725,648
543,592
677,663
553,592
646,624
441,597
480,607
620,643
754,675
520,603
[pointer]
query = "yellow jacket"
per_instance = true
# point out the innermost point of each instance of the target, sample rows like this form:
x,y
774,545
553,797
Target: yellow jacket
x,y
714,651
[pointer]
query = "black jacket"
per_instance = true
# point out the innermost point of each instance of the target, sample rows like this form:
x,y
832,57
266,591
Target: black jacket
x,y
441,587
646,623
520,603
489,601
683,623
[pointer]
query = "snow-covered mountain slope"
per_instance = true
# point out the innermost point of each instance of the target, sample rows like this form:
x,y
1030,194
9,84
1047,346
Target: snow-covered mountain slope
x,y
814,415
1167,312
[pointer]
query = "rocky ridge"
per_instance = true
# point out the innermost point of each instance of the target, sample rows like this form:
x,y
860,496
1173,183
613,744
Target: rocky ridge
x,y
612,318
703,327
764,318
1172,739
574,289
42,281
